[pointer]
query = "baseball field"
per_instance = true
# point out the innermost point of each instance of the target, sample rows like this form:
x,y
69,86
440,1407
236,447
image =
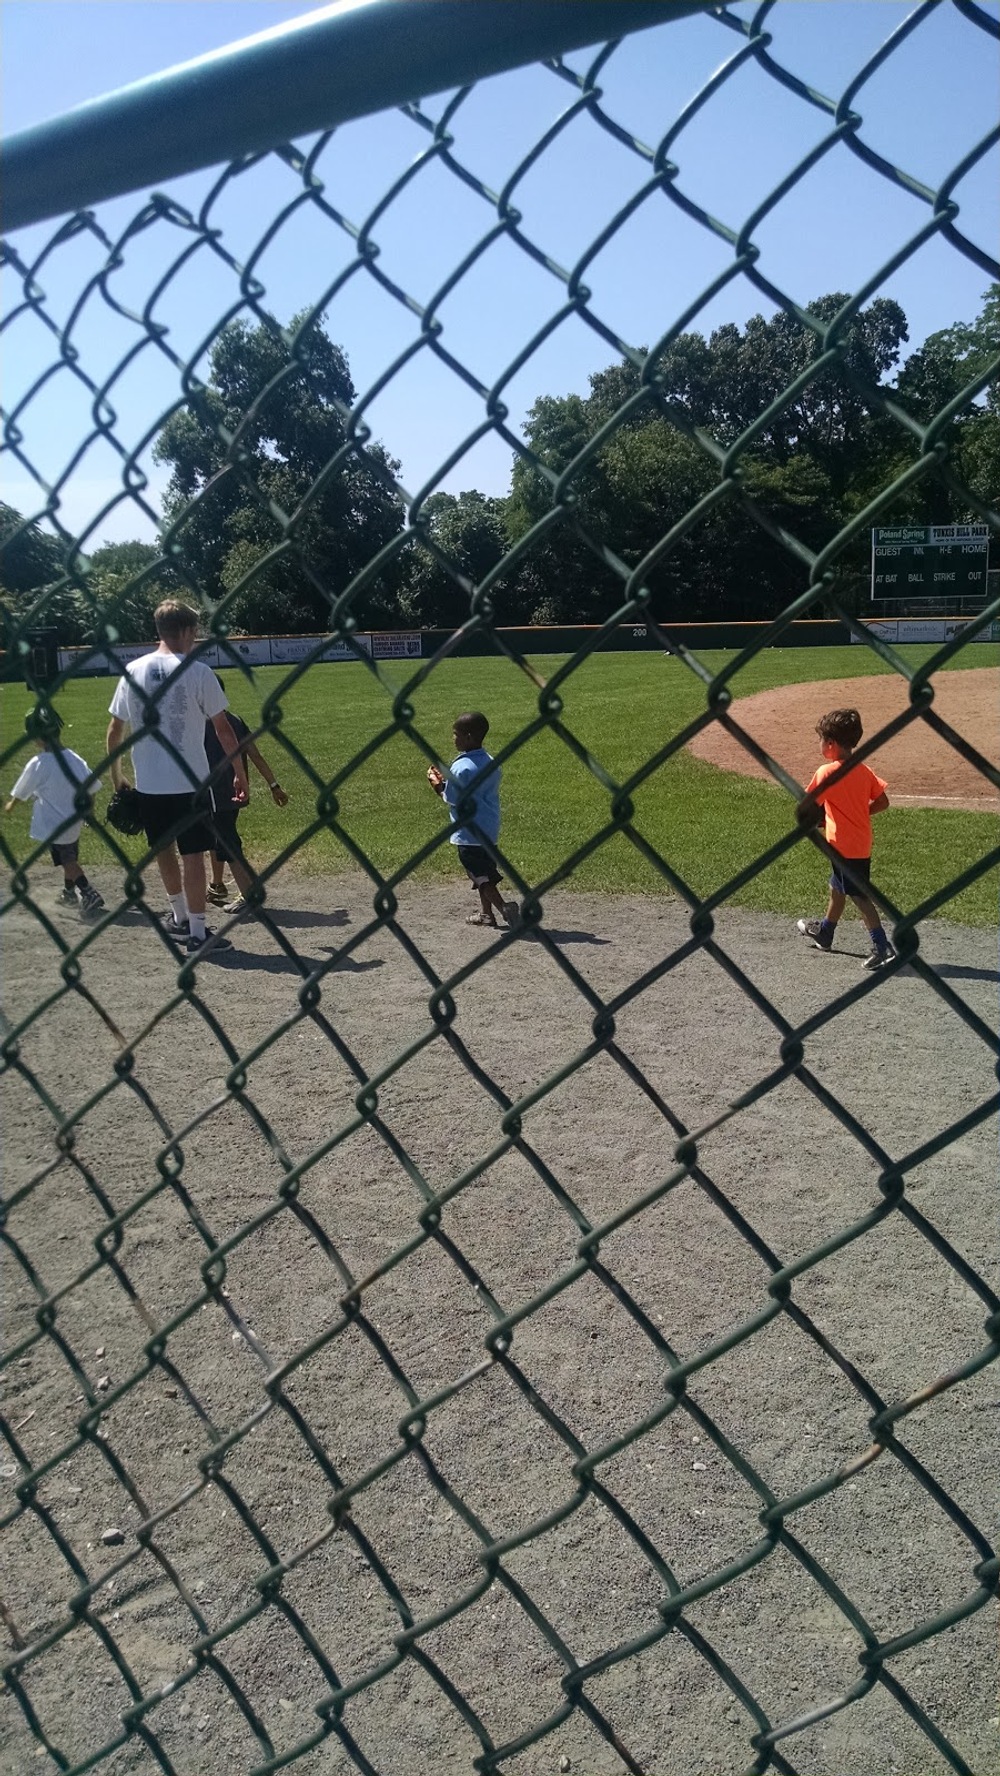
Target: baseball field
x,y
621,709
430,1349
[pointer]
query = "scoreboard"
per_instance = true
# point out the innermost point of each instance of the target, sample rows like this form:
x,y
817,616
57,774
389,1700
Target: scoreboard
x,y
930,561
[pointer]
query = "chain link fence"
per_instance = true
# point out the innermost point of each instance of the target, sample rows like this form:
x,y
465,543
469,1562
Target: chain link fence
x,y
435,1532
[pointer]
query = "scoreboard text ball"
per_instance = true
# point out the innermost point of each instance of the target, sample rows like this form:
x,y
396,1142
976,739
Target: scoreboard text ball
x,y
944,560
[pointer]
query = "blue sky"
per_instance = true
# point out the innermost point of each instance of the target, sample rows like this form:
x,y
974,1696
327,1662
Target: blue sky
x,y
933,101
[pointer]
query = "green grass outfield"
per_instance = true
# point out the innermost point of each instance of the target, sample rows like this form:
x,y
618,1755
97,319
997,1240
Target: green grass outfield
x,y
622,707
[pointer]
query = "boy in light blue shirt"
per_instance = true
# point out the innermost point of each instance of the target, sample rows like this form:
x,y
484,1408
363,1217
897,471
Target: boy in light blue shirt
x,y
470,731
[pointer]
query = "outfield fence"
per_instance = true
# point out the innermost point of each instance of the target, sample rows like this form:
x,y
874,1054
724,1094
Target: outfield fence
x,y
416,644
243,108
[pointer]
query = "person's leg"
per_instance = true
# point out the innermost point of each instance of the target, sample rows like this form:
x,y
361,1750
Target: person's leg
x,y
168,864
241,876
195,878
229,849
64,857
881,947
160,814
835,908
485,893
821,931
196,840
492,898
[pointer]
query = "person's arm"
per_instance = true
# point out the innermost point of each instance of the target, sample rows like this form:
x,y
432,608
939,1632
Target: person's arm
x,y
22,790
809,812
116,734
260,763
436,779
879,805
231,747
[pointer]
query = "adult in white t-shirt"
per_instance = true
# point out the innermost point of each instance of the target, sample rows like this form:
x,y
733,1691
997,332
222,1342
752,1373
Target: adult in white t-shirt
x,y
166,699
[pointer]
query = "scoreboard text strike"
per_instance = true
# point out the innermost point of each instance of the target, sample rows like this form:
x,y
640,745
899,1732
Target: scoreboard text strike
x,y
916,561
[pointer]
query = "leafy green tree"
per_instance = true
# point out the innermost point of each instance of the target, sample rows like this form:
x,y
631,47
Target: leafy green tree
x,y
948,363
127,581
258,508
34,588
470,532
813,462
29,558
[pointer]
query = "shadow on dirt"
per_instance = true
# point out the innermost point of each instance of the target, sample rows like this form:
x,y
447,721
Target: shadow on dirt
x,y
291,917
566,937
247,961
959,971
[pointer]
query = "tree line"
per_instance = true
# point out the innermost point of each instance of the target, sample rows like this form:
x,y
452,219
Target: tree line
x,y
271,506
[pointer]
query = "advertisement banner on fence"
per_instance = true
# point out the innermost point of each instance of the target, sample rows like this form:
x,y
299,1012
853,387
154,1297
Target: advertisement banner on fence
x,y
255,650
990,633
886,631
80,660
921,629
286,650
406,645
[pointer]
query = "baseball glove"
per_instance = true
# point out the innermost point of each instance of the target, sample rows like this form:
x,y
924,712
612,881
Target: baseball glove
x,y
125,811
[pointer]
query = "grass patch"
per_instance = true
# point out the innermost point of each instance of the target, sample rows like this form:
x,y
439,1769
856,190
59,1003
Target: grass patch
x,y
621,708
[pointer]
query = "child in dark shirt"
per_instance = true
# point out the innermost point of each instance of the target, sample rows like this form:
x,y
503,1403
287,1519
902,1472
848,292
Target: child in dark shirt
x,y
228,847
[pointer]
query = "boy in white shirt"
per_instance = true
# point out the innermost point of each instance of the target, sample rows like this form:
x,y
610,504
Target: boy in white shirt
x,y
51,781
165,699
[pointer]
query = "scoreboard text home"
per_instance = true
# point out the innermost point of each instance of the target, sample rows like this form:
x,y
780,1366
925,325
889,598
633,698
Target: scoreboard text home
x,y
937,560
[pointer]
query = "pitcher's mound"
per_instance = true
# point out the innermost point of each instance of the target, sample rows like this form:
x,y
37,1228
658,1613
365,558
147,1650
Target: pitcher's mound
x,y
922,768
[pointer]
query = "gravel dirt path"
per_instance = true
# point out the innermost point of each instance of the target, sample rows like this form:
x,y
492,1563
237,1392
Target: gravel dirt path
x,y
397,1310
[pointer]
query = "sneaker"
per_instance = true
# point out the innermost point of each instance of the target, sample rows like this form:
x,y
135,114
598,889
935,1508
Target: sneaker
x,y
91,901
878,958
176,929
197,946
218,894
511,914
236,905
66,897
813,930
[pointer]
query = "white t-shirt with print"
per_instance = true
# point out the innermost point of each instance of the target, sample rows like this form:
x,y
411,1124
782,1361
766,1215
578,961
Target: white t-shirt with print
x,y
193,697
44,782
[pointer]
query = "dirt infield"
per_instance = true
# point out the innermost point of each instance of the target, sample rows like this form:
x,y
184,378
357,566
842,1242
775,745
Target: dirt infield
x,y
921,768
491,1458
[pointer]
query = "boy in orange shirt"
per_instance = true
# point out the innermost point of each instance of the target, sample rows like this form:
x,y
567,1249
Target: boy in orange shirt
x,y
848,807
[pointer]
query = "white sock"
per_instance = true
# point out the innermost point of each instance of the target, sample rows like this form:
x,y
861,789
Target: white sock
x,y
197,924
179,907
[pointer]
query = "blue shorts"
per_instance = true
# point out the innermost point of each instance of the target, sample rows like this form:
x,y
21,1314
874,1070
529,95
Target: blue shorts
x,y
861,873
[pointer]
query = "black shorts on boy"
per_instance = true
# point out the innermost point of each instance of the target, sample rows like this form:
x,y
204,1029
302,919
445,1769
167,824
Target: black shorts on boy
x,y
860,869
162,815
227,846
63,854
478,866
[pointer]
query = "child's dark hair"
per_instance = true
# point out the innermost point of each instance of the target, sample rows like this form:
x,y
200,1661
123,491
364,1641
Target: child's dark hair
x,y
472,726
44,723
842,726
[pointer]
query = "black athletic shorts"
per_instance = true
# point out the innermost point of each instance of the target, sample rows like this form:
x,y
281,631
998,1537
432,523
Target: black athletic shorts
x,y
62,854
861,871
162,814
478,866
227,844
